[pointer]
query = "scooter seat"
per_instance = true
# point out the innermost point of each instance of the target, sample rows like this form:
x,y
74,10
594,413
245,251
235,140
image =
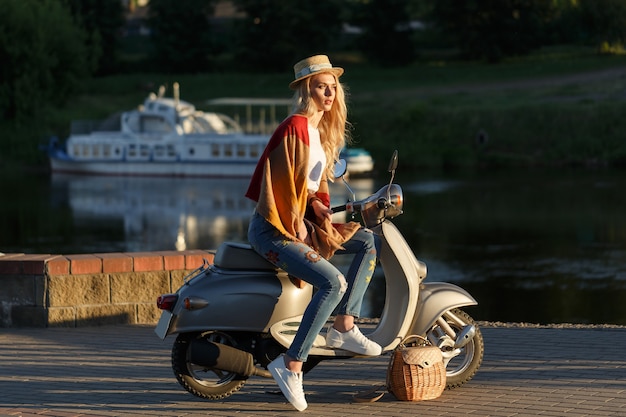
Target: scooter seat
x,y
232,255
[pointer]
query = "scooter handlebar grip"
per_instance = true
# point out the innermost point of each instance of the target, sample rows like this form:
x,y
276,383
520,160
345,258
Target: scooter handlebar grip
x,y
338,208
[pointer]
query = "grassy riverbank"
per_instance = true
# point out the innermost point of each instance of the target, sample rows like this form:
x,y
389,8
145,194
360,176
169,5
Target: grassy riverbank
x,y
555,107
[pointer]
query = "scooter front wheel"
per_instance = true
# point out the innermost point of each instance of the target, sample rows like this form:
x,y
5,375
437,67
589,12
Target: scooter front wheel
x,y
202,381
462,363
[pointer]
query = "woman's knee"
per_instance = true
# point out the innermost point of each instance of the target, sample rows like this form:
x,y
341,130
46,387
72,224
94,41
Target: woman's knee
x,y
369,239
336,285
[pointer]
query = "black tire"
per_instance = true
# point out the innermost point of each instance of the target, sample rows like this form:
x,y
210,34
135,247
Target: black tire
x,y
464,366
201,381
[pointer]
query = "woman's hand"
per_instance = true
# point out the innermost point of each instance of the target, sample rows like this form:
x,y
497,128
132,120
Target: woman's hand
x,y
321,211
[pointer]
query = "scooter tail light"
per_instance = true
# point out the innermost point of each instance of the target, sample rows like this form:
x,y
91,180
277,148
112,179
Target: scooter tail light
x,y
167,301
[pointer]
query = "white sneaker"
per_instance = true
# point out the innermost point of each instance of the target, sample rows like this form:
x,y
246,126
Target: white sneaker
x,y
352,341
290,383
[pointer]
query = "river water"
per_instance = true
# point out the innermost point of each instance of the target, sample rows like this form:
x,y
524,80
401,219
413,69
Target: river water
x,y
531,246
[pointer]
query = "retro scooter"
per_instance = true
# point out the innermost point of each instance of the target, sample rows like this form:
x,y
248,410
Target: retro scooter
x,y
233,317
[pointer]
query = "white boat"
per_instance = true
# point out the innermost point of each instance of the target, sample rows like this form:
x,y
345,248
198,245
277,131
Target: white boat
x,y
163,137
359,160
170,137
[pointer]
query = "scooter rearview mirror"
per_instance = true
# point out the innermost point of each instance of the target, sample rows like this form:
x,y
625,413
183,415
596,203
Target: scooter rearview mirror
x,y
341,166
393,163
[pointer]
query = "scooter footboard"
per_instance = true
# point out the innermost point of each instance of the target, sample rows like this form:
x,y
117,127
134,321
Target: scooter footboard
x,y
435,298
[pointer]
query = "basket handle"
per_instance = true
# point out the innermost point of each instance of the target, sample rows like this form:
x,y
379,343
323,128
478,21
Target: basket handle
x,y
410,338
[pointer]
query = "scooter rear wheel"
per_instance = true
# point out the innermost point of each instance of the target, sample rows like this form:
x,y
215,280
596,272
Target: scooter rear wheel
x,y
202,381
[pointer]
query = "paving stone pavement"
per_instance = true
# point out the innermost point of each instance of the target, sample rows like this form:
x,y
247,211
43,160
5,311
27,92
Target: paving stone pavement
x,y
125,371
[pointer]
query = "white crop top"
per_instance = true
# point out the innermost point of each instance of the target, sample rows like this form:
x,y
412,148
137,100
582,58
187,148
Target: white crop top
x,y
317,160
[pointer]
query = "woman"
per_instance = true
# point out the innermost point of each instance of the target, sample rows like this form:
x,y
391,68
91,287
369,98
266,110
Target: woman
x,y
292,225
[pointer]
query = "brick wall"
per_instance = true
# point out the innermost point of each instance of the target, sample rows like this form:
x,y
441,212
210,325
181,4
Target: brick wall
x,y
90,290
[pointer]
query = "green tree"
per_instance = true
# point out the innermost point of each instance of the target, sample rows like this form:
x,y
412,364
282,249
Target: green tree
x,y
564,24
43,57
605,21
493,29
181,33
386,38
277,33
102,21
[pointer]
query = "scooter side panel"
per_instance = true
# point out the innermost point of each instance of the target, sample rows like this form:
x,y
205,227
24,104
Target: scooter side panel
x,y
402,276
238,301
435,299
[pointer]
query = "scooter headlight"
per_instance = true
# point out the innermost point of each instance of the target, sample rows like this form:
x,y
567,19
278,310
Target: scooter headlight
x,y
394,208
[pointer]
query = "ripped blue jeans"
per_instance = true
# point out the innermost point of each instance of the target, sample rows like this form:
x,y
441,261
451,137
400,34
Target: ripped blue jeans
x,y
333,289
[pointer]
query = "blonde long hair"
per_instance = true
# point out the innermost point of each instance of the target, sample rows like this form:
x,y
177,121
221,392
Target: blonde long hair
x,y
334,126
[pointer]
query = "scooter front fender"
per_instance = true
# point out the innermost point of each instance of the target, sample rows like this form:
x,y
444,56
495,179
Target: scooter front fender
x,y
436,298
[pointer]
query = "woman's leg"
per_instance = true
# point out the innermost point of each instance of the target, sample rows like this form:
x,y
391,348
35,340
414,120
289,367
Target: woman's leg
x,y
344,334
364,245
301,261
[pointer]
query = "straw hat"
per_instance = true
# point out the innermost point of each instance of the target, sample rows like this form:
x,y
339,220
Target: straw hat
x,y
311,66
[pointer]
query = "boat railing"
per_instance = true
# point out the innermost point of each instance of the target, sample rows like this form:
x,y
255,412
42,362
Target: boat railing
x,y
254,115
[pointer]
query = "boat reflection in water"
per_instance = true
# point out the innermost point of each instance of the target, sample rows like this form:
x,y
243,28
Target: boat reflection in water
x,y
164,213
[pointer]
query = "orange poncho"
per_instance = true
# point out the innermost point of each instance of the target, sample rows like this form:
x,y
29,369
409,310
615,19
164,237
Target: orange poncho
x,y
279,186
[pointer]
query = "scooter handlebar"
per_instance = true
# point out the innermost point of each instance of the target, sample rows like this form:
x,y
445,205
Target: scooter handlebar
x,y
338,208
386,203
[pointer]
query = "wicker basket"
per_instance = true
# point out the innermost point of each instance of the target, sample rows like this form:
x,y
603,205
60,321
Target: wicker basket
x,y
416,371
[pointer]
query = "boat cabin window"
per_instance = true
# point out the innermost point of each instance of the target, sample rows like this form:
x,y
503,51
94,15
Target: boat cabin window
x,y
255,151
